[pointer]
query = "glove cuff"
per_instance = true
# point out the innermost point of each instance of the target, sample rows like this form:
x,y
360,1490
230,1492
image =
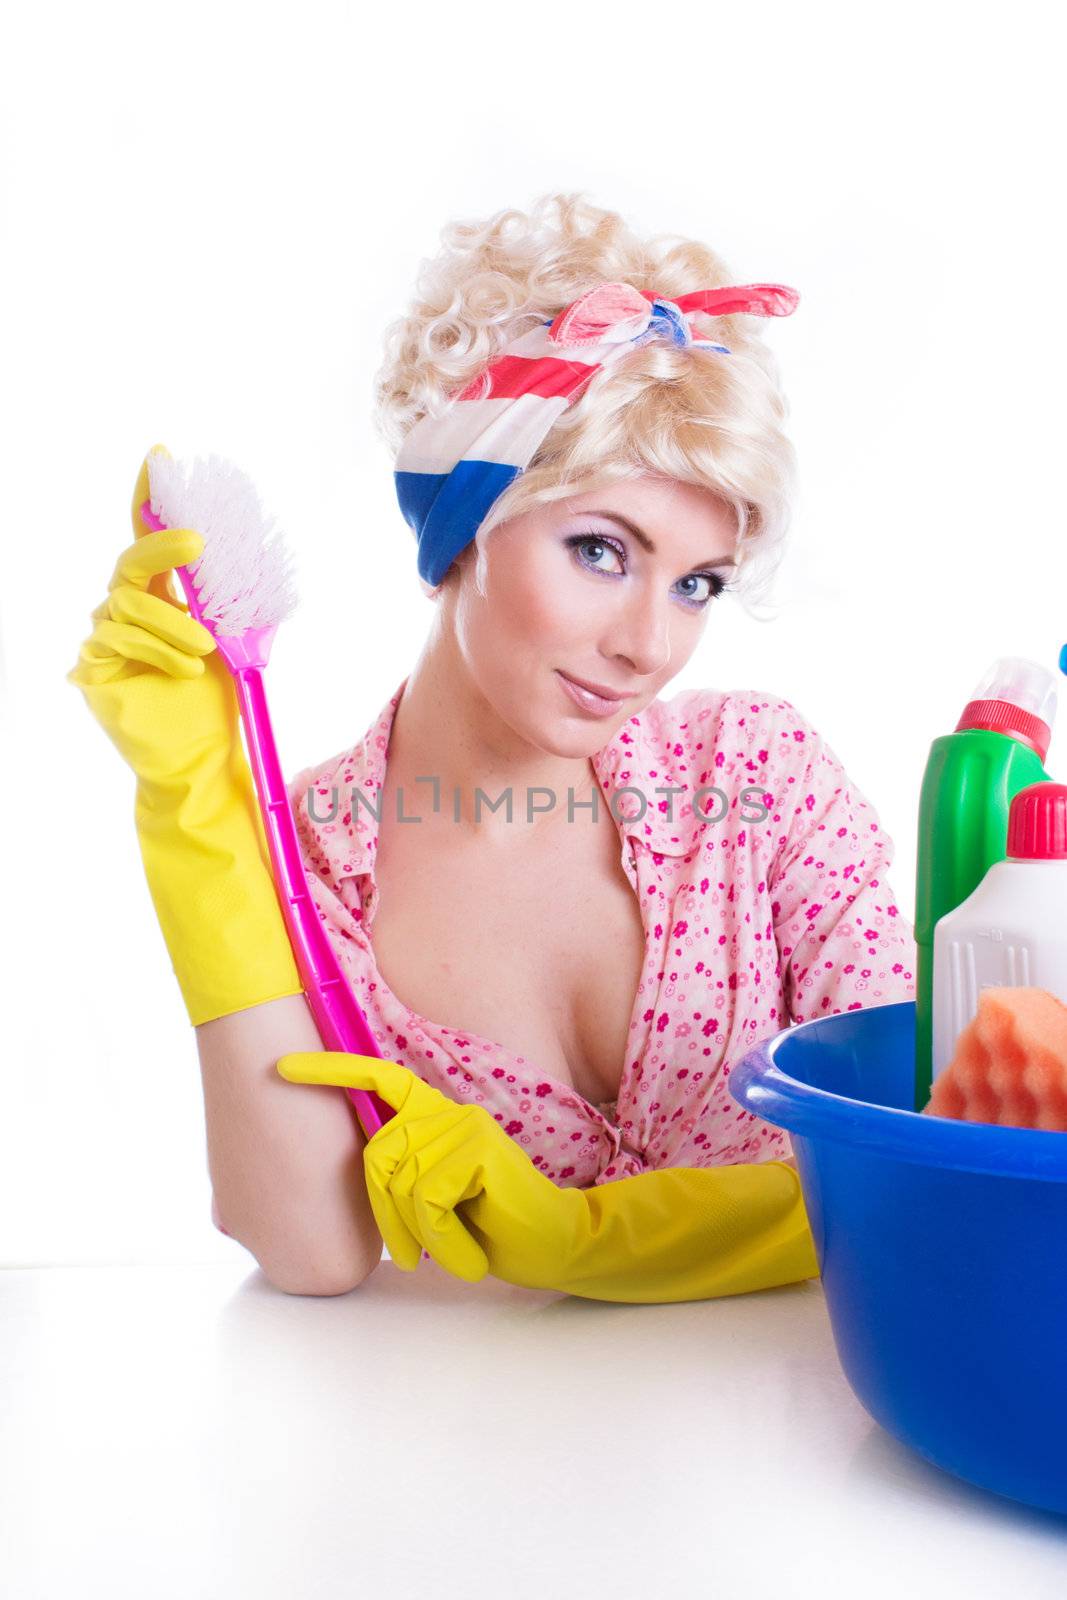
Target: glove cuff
x,y
207,866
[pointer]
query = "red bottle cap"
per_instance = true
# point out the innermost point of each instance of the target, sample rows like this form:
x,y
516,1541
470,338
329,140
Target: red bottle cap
x,y
1001,716
1037,823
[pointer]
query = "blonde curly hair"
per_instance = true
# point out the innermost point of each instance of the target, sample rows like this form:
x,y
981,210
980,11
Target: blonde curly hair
x,y
691,415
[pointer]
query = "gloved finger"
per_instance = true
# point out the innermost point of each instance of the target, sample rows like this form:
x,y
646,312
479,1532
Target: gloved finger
x,y
104,608
426,1189
93,649
167,622
142,489
398,1086
87,674
155,555
402,1138
159,584
344,1068
403,1247
394,1145
110,640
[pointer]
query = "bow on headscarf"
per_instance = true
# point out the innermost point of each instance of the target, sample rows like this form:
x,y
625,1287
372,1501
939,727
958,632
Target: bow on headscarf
x,y
451,468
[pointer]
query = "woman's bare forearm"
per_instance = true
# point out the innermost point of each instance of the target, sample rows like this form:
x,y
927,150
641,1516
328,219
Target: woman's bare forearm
x,y
285,1159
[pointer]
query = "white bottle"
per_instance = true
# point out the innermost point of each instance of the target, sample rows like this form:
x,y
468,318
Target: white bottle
x,y
1011,932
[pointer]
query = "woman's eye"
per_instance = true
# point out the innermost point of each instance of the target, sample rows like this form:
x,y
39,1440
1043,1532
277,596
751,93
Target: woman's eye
x,y
715,586
585,541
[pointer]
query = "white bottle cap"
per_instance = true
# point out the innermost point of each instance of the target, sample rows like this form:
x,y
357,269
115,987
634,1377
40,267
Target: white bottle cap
x,y
1023,683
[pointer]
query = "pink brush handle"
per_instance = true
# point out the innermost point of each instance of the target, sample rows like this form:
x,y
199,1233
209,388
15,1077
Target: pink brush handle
x,y
338,1015
340,1018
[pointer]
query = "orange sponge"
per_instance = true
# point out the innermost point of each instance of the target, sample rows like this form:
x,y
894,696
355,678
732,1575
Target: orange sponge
x,y
1010,1063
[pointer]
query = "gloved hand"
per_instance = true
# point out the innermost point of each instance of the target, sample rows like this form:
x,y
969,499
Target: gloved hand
x,y
153,678
447,1178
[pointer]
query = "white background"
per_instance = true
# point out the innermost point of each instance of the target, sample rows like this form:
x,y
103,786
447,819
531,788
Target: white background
x,y
209,214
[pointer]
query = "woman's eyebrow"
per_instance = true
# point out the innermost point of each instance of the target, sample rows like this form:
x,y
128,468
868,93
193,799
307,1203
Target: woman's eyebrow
x,y
643,539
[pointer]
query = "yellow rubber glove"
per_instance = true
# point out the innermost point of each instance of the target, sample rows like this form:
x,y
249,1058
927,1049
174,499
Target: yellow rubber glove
x,y
153,678
447,1178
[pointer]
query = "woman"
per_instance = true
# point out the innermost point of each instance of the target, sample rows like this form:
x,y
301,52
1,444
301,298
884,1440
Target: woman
x,y
603,899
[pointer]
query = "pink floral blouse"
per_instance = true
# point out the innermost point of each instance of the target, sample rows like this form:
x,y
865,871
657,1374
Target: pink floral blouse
x,y
750,926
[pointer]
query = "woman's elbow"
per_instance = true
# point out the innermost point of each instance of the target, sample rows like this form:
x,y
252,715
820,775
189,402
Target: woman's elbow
x,y
326,1279
321,1283
292,1269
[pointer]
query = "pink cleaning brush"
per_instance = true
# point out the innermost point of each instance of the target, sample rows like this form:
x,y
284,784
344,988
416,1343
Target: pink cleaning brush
x,y
240,590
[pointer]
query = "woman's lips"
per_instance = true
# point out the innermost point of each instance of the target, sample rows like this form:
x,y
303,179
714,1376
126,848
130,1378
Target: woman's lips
x,y
598,705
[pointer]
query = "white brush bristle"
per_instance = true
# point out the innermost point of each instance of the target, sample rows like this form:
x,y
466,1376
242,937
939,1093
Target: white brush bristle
x,y
243,579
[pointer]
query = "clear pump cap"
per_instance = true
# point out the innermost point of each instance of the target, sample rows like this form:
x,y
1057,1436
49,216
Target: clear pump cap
x,y
1021,682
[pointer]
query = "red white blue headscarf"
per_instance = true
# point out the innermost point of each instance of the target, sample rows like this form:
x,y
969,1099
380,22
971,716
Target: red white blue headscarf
x,y
451,468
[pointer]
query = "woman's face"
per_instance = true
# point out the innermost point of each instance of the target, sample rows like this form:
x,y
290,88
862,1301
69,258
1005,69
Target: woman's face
x,y
572,590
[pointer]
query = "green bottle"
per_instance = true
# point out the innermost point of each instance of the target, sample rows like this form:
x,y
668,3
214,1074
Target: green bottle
x,y
972,775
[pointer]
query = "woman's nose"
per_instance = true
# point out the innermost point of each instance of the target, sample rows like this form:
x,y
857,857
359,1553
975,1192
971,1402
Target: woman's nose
x,y
641,633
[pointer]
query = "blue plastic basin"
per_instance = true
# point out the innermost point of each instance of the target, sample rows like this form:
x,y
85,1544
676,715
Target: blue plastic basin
x,y
942,1247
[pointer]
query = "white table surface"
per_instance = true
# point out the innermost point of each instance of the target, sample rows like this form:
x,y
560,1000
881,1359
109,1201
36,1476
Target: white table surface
x,y
190,1431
